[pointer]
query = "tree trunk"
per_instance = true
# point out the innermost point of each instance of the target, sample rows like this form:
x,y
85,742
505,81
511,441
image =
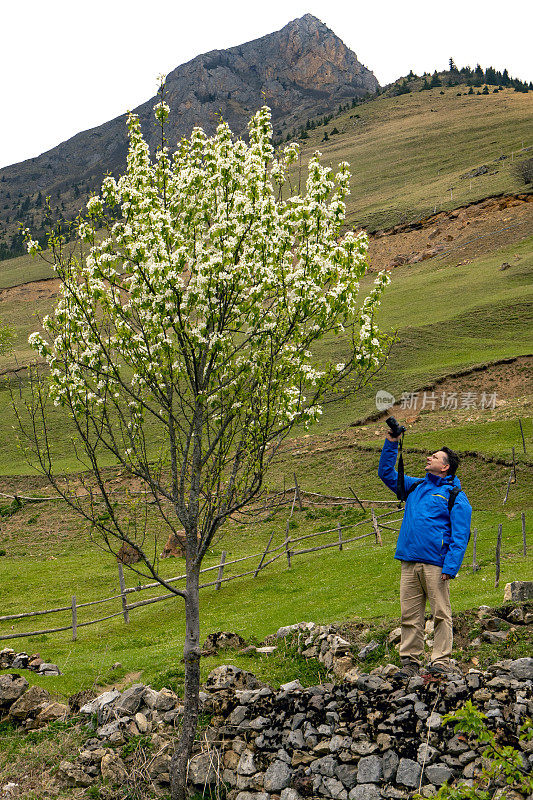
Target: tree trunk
x,y
191,653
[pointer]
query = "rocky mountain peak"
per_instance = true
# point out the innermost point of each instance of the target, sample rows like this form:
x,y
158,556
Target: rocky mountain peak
x,y
303,70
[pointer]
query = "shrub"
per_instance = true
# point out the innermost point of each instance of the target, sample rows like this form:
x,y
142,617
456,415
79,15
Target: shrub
x,y
524,170
503,763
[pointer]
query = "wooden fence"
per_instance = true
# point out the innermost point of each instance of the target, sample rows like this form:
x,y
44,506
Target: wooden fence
x,y
290,548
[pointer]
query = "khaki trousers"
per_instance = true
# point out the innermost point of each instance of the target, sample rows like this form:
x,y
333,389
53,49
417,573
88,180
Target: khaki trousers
x,y
419,583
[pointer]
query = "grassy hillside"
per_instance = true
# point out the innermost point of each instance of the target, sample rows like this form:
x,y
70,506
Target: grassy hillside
x,y
478,314
406,152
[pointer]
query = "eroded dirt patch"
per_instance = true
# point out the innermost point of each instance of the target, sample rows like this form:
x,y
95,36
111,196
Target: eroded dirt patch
x,y
460,235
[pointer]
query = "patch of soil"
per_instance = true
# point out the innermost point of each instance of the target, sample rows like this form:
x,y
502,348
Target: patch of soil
x,y
128,679
468,232
32,291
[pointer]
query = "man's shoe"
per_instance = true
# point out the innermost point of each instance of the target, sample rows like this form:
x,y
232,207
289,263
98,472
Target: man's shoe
x,y
409,670
442,671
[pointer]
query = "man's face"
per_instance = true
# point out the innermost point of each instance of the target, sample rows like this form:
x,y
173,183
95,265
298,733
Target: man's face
x,y
437,464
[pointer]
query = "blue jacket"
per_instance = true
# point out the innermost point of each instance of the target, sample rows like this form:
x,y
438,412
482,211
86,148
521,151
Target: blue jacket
x,y
429,532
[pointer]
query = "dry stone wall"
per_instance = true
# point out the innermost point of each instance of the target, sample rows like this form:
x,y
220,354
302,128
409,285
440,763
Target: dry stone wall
x,y
370,735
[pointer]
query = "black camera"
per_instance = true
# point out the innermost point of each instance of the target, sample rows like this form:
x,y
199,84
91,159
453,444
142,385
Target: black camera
x,y
395,428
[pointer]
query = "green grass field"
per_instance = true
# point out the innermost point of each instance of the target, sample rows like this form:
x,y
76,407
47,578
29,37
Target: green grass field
x,y
358,584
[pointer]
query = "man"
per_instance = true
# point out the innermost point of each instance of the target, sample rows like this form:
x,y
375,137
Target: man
x,y
431,547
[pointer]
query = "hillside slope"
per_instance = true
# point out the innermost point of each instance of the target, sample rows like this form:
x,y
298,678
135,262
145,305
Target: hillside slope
x,y
425,152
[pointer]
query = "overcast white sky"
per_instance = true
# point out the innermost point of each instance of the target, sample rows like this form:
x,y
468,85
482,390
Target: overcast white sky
x,y
67,66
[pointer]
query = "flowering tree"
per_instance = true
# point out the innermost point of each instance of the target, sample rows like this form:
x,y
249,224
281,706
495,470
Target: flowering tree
x,y
196,317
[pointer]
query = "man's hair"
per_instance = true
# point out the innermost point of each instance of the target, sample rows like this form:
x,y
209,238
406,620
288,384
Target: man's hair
x,y
452,459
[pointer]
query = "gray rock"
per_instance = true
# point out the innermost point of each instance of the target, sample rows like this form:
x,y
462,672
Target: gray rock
x,y
113,769
12,686
100,702
142,723
338,743
365,651
522,668
494,637
324,766
364,747
48,669
73,774
166,699
456,745
370,769
408,773
252,796
202,769
227,676
517,616
150,696
237,715
335,788
438,773
292,686
518,590
259,723
51,712
246,765
289,794
296,739
347,774
131,699
277,776
30,703
115,726
434,721
370,682
159,765
426,754
390,761
368,791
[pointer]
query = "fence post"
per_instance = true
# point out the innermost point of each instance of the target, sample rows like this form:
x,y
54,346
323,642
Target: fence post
x,y
123,592
287,544
340,536
514,468
524,546
376,528
298,492
498,553
508,487
474,548
354,494
221,569
264,555
74,618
